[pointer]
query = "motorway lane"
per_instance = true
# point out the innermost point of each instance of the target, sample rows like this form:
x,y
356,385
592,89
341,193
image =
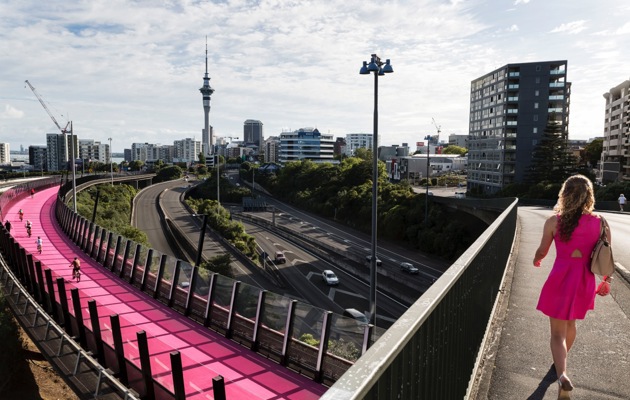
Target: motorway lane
x,y
146,218
303,271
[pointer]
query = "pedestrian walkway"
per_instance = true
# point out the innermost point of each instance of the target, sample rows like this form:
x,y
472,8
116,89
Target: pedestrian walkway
x,y
205,354
518,363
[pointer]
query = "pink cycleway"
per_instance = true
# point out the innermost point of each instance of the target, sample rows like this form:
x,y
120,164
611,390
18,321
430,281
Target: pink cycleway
x,y
204,353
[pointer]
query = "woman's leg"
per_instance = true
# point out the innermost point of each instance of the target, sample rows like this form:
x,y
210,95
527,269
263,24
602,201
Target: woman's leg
x,y
571,334
558,342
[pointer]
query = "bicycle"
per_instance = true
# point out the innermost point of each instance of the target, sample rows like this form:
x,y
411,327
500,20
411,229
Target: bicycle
x,y
76,274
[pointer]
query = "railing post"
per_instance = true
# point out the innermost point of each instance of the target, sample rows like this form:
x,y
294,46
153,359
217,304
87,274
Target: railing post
x,y
178,376
136,260
191,286
260,309
78,316
147,268
51,294
208,314
40,283
233,300
323,346
145,365
115,255
96,330
158,278
218,388
175,278
288,332
63,301
118,347
124,260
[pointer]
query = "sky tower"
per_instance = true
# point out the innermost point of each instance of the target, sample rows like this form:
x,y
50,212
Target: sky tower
x,y
206,92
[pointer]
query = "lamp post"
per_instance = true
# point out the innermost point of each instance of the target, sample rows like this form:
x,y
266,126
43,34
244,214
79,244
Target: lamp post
x,y
377,67
111,161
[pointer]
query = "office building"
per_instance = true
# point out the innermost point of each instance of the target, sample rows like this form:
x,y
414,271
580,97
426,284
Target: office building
x,y
458,140
93,151
253,132
509,111
306,144
615,163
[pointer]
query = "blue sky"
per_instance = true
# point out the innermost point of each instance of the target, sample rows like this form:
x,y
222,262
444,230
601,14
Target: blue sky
x,y
131,70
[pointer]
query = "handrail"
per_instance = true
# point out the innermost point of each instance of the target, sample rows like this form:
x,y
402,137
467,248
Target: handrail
x,y
64,339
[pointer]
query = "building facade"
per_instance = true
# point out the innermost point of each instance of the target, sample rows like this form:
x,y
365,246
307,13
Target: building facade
x,y
356,141
306,144
272,149
56,150
91,150
615,163
37,155
253,132
186,150
458,140
5,154
509,111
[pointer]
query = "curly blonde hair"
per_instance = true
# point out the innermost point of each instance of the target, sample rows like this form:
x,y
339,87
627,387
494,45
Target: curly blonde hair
x,y
575,198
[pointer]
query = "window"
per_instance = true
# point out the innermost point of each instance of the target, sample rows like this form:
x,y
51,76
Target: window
x,y
535,130
536,106
535,117
536,93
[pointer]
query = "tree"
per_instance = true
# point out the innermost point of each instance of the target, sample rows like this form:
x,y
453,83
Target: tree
x,y
593,152
168,174
452,149
202,158
551,159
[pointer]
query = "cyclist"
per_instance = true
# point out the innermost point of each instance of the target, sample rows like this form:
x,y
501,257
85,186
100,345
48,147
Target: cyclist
x,y
76,269
29,225
32,193
39,243
21,214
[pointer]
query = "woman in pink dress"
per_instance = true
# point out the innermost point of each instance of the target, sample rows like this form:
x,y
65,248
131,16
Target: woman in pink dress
x,y
569,291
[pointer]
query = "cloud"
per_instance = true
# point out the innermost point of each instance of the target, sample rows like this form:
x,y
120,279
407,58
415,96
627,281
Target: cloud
x,y
571,28
517,2
11,112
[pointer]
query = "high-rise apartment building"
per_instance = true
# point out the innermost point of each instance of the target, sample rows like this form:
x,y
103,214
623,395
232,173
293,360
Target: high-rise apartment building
x,y
56,150
509,111
91,150
253,132
5,154
272,149
306,144
37,157
356,141
186,150
615,163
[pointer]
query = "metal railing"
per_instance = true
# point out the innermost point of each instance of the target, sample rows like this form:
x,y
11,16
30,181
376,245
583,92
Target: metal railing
x,y
430,352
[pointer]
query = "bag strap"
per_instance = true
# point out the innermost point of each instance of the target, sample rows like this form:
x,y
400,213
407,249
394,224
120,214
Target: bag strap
x,y
603,227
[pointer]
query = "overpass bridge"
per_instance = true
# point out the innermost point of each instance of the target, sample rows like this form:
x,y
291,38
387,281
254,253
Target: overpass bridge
x,y
424,355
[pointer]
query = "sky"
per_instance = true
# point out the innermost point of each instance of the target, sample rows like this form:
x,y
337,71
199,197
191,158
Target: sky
x,y
131,70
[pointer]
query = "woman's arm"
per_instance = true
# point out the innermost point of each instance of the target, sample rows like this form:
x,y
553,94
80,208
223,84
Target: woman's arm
x,y
545,242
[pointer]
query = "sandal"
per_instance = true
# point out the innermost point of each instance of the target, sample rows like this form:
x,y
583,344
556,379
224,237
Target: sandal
x,y
565,387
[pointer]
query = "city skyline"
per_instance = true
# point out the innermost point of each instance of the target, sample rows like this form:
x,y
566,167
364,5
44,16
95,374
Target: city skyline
x,y
132,71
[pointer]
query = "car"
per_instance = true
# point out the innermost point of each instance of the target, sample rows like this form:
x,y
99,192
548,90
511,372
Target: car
x,y
356,314
368,259
408,267
280,258
330,278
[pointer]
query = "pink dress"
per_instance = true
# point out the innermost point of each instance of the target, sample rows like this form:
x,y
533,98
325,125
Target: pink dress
x,y
569,291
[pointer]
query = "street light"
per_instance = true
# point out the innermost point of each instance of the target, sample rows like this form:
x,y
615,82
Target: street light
x,y
378,68
111,161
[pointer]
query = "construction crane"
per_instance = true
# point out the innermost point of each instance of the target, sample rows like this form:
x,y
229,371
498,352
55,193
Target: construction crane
x,y
64,130
437,142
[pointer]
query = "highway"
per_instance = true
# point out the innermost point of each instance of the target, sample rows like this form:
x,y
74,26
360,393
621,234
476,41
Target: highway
x,y
302,271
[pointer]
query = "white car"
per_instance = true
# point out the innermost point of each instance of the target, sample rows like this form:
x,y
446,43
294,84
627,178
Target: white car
x,y
330,278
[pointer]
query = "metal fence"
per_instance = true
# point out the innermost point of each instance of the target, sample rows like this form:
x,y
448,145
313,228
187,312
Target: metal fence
x,y
431,350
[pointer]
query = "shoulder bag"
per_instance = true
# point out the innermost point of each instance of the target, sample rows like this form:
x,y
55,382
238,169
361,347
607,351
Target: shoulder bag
x,y
602,262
